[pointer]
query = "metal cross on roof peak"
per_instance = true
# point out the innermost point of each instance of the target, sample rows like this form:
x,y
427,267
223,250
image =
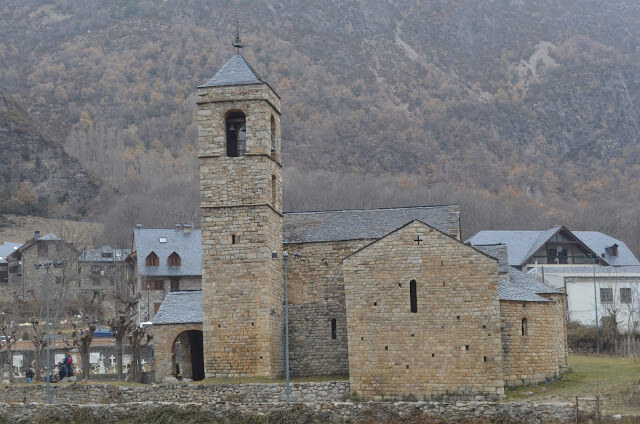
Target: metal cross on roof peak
x,y
237,43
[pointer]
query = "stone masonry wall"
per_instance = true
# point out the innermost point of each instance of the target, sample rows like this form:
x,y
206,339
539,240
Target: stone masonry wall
x,y
164,337
257,101
150,297
242,293
540,353
241,210
69,393
316,296
450,346
110,403
31,281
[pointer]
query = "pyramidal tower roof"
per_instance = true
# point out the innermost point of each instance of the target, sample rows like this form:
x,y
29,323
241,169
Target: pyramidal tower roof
x,y
235,72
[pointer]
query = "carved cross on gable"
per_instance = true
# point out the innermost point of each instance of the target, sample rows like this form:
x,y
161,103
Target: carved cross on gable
x,y
418,239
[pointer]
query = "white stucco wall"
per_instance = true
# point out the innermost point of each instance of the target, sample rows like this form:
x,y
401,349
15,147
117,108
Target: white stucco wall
x,y
580,293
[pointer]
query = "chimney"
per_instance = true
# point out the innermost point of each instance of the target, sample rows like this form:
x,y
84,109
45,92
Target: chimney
x,y
138,226
178,227
187,228
37,236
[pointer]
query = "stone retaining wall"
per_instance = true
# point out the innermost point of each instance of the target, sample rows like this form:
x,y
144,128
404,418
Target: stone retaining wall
x,y
69,393
330,412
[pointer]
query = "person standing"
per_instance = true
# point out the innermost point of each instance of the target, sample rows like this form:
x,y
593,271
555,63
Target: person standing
x,y
68,360
29,374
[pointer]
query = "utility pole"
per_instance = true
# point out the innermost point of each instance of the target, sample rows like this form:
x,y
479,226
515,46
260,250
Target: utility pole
x,y
47,265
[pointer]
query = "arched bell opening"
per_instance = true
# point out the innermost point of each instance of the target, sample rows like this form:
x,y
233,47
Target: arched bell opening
x,y
236,128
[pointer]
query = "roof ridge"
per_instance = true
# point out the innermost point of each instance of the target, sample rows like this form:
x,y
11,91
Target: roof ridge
x,y
372,209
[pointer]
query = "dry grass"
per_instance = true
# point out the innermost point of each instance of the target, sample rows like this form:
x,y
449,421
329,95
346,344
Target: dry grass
x,y
615,380
18,229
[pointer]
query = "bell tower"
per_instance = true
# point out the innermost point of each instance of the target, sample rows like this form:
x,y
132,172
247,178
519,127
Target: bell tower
x,y
241,219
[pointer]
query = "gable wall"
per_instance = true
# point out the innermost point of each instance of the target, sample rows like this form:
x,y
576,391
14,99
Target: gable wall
x,y
316,296
394,353
31,281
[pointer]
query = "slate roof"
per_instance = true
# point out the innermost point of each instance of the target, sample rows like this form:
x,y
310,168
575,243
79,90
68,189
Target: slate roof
x,y
518,286
598,242
521,245
498,251
509,291
31,242
50,237
6,249
365,224
180,307
236,71
96,255
523,288
187,245
522,279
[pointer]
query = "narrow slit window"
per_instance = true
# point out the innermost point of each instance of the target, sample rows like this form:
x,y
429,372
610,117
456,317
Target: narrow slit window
x,y
334,329
524,326
234,239
413,295
273,191
273,135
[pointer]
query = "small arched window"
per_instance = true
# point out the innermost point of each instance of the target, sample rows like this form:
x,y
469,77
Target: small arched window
x,y
524,327
236,125
174,260
413,296
273,135
152,259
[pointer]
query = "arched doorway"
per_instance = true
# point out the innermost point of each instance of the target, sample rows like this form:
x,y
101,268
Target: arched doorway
x,y
188,355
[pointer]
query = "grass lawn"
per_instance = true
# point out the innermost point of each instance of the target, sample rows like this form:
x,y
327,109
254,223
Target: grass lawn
x,y
616,380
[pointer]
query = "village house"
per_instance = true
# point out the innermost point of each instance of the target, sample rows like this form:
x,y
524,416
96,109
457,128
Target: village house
x,y
164,260
391,297
592,268
100,271
27,271
6,249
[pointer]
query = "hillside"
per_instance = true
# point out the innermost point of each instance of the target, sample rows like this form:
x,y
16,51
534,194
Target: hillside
x,y
525,106
36,175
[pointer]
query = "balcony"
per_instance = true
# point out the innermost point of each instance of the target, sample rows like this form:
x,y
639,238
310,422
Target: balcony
x,y
564,260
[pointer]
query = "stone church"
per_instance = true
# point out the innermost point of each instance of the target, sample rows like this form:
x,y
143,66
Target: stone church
x,y
391,297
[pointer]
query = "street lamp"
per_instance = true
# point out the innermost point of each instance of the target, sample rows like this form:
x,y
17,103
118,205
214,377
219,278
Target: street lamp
x,y
285,258
595,300
47,265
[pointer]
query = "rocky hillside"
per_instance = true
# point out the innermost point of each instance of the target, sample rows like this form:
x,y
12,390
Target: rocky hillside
x,y
36,175
536,100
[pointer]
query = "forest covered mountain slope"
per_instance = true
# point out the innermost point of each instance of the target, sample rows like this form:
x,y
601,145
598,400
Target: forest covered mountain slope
x,y
524,104
36,175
